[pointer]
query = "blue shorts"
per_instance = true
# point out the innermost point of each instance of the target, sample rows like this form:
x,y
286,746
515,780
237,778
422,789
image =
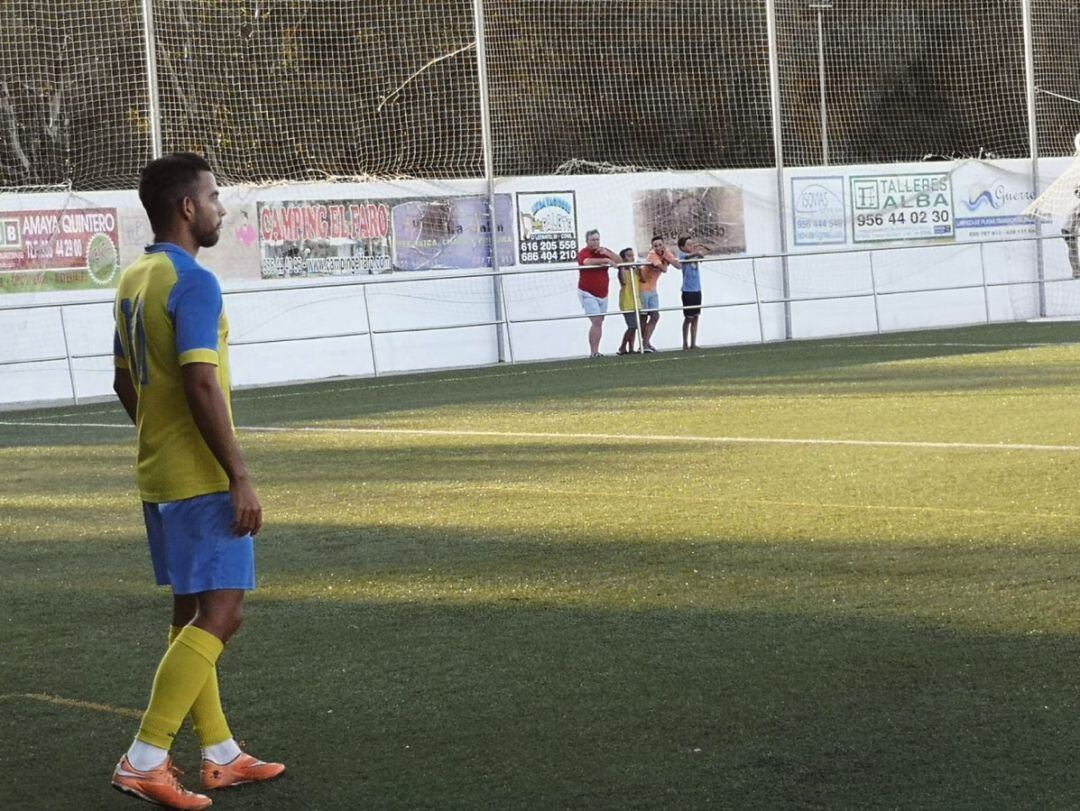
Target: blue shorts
x,y
193,547
650,301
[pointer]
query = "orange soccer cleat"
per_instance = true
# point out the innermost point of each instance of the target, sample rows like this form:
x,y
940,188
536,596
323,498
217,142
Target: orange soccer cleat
x,y
241,769
160,785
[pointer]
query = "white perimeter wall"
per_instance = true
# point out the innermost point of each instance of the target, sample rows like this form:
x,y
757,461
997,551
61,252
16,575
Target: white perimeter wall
x,y
265,314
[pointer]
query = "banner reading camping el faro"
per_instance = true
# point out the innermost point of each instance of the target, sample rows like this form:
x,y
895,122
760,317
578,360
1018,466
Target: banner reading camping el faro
x,y
58,249
359,237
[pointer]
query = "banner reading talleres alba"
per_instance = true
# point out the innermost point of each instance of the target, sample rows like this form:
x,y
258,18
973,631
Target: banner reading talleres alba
x,y
58,249
324,238
896,207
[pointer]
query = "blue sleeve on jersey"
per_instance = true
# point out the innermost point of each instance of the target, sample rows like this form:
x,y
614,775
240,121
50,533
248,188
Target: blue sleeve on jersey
x,y
117,347
195,306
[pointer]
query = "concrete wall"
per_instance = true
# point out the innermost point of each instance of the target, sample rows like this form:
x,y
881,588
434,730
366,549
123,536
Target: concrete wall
x,y
280,326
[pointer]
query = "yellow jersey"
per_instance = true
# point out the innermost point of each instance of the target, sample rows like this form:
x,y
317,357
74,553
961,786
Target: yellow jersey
x,y
169,313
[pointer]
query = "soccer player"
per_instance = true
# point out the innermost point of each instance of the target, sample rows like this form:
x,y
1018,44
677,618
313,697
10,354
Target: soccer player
x,y
199,504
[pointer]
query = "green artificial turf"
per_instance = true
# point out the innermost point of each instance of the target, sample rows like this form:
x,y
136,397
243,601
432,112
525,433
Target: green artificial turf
x,y
594,584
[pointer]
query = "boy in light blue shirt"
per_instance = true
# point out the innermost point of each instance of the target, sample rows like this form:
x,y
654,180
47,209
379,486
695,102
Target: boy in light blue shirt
x,y
691,291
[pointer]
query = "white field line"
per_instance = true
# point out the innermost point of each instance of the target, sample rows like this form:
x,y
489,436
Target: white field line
x,y
667,438
72,703
664,438
23,423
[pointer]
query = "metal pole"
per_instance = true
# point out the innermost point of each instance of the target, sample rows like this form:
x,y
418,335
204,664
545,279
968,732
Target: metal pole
x,y
152,78
821,86
371,333
873,288
505,321
778,151
757,301
489,166
986,290
1033,143
70,363
637,308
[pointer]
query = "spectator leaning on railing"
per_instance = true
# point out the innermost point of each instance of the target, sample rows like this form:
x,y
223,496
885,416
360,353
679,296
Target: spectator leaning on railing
x,y
691,291
656,263
629,282
594,262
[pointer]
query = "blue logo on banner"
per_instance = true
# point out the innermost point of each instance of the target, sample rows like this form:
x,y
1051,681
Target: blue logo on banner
x,y
986,197
995,197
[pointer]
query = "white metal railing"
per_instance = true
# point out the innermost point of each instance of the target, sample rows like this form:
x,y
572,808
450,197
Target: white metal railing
x,y
505,322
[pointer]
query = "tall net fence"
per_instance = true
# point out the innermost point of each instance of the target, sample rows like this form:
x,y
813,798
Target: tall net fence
x,y
74,96
275,90
902,80
321,88
651,84
1056,39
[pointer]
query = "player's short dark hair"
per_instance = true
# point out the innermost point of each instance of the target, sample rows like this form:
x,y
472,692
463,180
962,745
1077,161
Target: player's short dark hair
x,y
590,232
624,250
166,181
682,242
656,237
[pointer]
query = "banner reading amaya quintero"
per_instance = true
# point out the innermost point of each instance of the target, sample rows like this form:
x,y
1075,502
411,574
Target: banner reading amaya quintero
x,y
58,249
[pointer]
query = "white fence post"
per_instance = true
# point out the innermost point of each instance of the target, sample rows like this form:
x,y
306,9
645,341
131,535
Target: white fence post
x,y
152,78
873,288
70,362
501,291
778,152
489,170
757,301
371,334
986,289
1033,143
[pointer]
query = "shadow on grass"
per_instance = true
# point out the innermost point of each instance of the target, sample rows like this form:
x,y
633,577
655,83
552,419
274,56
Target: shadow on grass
x,y
447,701
441,706
791,369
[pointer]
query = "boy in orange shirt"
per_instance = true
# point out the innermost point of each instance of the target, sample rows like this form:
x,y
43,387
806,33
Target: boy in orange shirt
x,y
656,263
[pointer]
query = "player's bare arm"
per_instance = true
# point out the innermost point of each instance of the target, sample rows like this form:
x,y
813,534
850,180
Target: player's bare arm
x,y
125,392
211,415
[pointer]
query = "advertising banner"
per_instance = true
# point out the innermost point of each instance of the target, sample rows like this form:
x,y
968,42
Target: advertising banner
x,y
819,210
432,233
58,249
547,227
712,216
989,202
359,237
887,208
323,238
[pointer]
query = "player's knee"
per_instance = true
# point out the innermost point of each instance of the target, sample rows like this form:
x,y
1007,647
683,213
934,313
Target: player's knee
x,y
233,619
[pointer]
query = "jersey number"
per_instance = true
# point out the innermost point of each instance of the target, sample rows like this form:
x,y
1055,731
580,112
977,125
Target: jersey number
x,y
135,331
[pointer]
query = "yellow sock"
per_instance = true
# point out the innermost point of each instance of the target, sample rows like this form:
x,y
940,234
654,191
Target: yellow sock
x,y
180,678
206,713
